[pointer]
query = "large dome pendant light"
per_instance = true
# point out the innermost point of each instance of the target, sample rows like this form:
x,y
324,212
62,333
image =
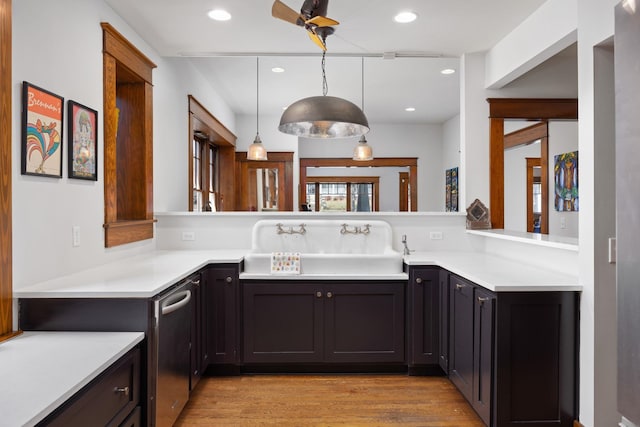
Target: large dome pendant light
x,y
363,151
256,150
324,116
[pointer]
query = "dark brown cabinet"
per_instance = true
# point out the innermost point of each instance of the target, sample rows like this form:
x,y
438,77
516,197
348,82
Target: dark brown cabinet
x,y
513,354
313,322
111,399
220,295
443,330
198,359
461,335
423,328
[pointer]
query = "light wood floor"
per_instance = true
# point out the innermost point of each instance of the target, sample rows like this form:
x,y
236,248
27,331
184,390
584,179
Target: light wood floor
x,y
327,400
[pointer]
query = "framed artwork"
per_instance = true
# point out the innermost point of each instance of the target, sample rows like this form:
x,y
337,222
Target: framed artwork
x,y
451,190
42,115
565,172
82,135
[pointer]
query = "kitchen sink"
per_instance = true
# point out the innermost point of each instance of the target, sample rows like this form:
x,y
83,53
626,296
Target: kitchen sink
x,y
325,246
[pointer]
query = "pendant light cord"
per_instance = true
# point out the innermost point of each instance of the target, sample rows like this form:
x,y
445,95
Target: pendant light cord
x,y
325,85
257,93
363,84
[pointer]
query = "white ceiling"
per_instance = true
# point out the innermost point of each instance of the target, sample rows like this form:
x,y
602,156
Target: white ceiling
x,y
226,51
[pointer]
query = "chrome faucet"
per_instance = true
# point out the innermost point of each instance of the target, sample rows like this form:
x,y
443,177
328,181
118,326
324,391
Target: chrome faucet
x,y
406,251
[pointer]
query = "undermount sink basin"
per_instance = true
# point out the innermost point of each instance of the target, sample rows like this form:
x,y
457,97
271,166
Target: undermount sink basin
x,y
325,246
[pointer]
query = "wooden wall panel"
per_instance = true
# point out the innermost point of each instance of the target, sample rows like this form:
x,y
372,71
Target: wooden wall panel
x,y
6,294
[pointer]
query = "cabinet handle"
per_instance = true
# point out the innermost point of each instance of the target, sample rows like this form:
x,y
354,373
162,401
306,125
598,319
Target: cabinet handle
x,y
121,390
482,300
228,279
329,295
459,286
418,280
318,294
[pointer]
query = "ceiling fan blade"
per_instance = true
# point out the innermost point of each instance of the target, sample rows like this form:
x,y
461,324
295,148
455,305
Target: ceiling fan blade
x,y
322,21
317,40
282,11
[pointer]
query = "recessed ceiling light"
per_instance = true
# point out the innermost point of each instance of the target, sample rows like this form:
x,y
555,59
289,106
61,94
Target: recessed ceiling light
x,y
410,109
277,70
405,17
219,15
448,71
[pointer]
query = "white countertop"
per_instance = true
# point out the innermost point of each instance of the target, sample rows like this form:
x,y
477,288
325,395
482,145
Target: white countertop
x,y
145,276
496,273
141,276
41,370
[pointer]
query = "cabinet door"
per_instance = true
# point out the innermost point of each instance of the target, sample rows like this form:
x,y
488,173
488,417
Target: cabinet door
x,y
220,297
282,322
461,335
443,357
424,303
364,322
197,362
483,353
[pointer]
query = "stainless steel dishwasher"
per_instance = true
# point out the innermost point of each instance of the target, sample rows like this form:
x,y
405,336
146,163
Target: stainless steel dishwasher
x,y
172,337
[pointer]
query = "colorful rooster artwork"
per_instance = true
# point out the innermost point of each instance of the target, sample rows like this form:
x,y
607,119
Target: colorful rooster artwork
x,y
42,138
42,117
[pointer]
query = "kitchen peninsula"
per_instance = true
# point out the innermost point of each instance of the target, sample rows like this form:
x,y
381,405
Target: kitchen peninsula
x,y
502,285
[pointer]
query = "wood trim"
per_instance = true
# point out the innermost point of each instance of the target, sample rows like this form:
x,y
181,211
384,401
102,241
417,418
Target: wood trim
x,y
128,141
531,163
533,108
521,108
6,286
496,168
283,161
122,232
116,45
222,135
577,423
526,136
410,162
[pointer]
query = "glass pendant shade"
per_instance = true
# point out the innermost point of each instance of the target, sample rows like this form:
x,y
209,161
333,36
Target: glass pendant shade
x,y
256,150
324,117
363,150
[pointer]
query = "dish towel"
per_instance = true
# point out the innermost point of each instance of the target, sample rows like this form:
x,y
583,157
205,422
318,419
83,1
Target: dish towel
x,y
285,263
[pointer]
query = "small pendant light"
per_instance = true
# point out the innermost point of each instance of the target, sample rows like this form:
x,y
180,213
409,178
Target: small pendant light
x,y
363,151
256,150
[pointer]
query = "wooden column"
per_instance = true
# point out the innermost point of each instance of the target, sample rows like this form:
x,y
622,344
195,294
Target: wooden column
x,y
6,295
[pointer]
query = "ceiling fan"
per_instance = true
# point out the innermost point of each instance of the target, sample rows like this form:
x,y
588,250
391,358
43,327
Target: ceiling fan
x,y
312,17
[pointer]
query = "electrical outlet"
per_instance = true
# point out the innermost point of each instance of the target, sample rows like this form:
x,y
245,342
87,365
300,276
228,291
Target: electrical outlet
x,y
188,235
563,222
75,233
435,235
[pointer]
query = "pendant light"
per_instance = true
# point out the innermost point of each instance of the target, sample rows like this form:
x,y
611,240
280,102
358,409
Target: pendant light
x,y
324,116
363,151
256,150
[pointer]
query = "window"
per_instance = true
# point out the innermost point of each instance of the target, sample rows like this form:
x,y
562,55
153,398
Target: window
x,y
342,194
212,155
204,175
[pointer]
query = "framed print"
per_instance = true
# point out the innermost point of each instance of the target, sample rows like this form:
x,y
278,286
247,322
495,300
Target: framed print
x,y
82,135
42,114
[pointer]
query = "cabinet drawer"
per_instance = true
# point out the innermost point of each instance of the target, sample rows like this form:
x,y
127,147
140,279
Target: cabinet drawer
x,y
107,400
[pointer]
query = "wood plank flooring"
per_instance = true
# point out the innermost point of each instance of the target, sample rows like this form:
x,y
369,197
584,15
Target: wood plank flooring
x,y
327,400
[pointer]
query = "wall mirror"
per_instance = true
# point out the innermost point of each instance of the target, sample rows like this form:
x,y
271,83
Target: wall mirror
x,y
520,158
430,133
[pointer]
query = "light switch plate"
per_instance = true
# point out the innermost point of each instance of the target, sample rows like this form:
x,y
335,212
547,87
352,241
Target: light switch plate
x,y
188,235
612,250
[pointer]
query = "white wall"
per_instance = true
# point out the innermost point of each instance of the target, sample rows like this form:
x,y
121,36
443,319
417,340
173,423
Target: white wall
x,y
515,185
563,138
62,52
